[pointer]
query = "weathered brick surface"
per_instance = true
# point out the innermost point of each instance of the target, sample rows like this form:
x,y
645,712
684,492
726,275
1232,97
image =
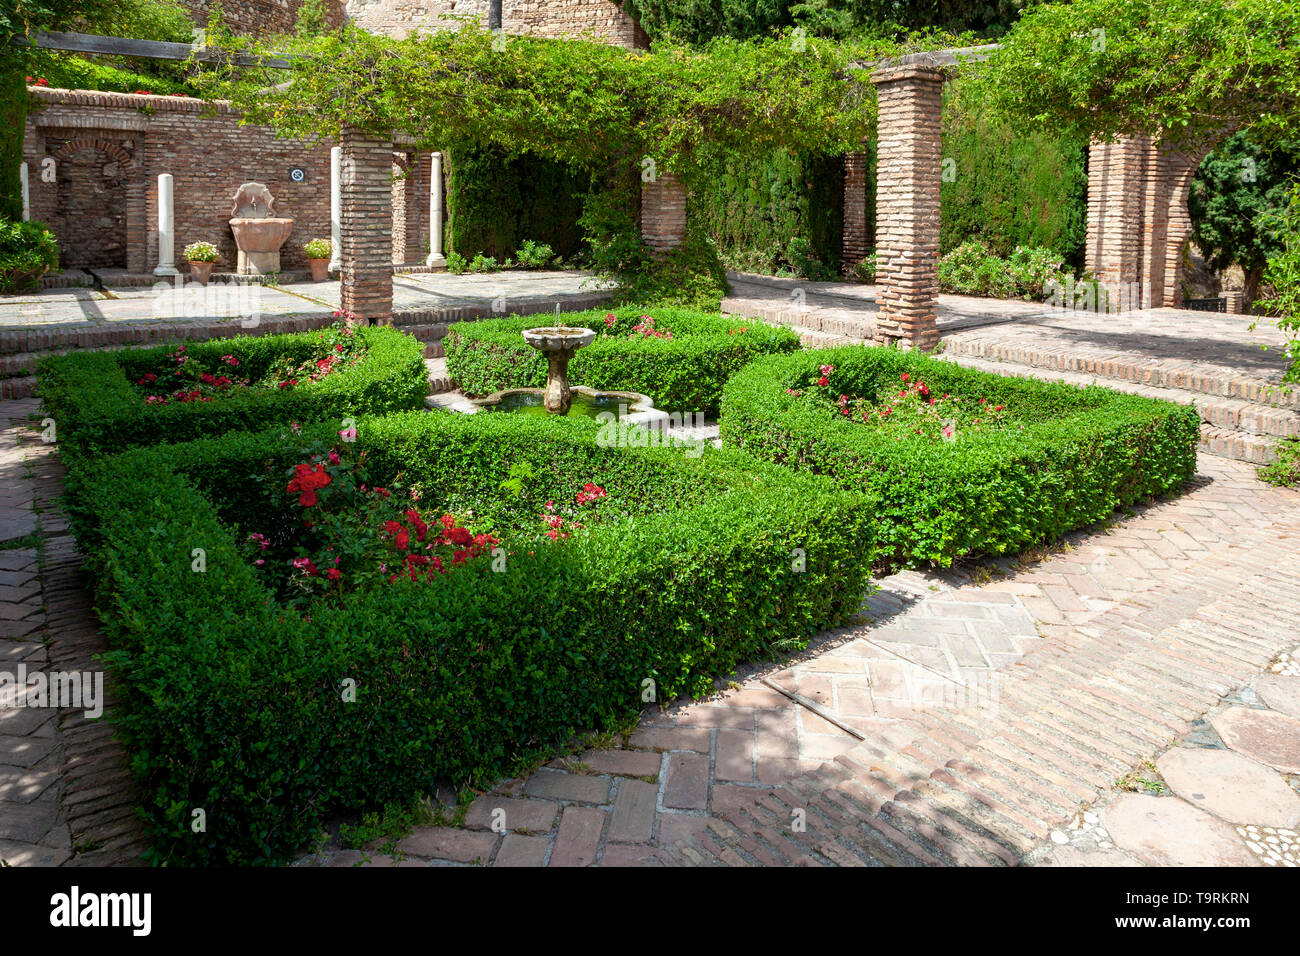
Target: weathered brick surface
x,y
908,171
663,212
367,228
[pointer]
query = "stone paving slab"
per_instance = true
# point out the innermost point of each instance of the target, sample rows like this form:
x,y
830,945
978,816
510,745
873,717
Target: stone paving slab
x,y
74,309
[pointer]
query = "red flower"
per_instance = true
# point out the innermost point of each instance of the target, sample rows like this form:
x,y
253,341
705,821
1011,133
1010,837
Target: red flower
x,y
421,529
333,574
906,377
461,537
401,537
823,380
448,522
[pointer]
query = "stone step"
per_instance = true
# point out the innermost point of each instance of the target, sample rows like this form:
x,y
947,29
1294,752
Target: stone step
x,y
1112,366
1231,428
844,326
23,386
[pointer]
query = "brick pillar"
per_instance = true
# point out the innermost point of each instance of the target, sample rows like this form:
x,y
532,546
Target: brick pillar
x,y
1178,168
367,227
908,171
857,231
663,213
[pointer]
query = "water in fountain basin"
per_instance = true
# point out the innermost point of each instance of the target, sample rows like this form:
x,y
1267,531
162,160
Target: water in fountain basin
x,y
583,406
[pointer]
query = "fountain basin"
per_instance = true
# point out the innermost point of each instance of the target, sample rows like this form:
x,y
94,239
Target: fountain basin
x,y
629,407
259,242
561,338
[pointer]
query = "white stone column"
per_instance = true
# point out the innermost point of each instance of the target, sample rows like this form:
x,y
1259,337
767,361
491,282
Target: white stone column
x,y
436,258
27,199
166,228
336,208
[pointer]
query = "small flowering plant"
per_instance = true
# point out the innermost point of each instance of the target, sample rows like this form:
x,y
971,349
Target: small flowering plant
x,y
911,409
318,249
561,521
643,326
346,533
183,378
201,252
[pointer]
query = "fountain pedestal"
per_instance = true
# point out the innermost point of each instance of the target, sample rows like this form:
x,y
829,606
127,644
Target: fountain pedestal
x,y
558,344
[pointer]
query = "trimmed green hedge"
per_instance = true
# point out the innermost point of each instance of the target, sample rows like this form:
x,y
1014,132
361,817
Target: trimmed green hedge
x,y
1083,451
97,410
684,373
233,704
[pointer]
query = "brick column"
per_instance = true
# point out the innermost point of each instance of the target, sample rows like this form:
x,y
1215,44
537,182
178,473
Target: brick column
x,y
857,231
663,213
367,227
908,170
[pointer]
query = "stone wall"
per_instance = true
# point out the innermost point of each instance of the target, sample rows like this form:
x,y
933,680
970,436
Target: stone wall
x,y
603,19
857,231
261,16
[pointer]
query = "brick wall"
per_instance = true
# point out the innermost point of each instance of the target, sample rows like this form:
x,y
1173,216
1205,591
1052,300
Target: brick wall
x,y
110,149
908,170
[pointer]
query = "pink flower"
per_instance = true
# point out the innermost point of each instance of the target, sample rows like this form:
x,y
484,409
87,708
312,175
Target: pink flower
x,y
348,434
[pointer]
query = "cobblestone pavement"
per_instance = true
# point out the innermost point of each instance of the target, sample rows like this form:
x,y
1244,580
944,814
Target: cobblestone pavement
x,y
966,717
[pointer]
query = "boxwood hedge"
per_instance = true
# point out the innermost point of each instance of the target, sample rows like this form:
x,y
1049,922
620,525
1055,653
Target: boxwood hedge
x,y
97,410
682,374
1082,453
233,704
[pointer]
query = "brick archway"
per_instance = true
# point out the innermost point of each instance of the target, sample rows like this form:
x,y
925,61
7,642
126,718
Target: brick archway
x,y
1138,220
95,194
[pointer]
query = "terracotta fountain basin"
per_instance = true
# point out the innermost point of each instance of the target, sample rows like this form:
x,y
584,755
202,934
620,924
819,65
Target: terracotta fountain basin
x,y
261,235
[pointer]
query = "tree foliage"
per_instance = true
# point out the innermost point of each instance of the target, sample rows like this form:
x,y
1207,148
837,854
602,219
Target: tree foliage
x,y
697,21
1235,195
1182,70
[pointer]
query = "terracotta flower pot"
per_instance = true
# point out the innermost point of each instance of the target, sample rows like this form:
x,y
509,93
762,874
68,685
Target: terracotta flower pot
x,y
320,270
201,271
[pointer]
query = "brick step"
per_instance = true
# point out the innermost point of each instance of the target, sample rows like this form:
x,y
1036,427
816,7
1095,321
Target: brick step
x,y
1231,428
439,380
1120,367
840,326
23,386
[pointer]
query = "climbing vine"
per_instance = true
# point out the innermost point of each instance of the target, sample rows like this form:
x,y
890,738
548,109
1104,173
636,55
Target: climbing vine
x,y
580,103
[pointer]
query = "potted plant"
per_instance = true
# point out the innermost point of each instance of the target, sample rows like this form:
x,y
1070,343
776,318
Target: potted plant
x,y
201,257
318,253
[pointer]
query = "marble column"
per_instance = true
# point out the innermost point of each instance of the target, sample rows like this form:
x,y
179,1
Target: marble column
x,y
166,228
436,258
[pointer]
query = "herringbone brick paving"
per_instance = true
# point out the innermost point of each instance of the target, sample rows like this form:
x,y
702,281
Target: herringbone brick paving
x,y
967,715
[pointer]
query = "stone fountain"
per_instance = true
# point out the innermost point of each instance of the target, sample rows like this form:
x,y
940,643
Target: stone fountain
x,y
259,233
559,343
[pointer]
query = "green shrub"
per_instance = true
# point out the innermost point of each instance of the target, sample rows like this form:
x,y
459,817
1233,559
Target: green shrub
x,y
865,270
973,269
774,211
684,373
1081,453
1284,470
233,704
534,255
28,250
97,410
